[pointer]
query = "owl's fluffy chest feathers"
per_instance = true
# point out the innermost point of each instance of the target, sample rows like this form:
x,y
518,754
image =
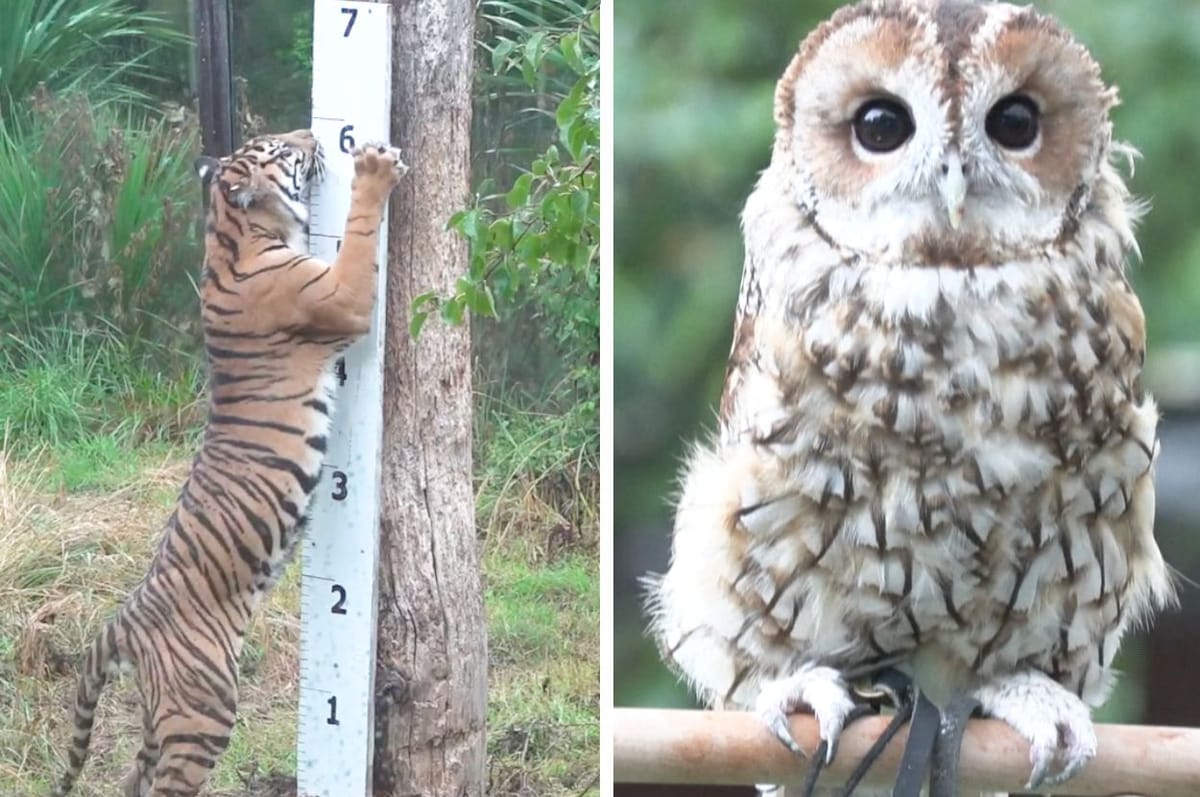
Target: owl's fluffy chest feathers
x,y
916,460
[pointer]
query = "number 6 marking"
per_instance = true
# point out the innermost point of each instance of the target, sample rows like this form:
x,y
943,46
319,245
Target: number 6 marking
x,y
353,12
345,140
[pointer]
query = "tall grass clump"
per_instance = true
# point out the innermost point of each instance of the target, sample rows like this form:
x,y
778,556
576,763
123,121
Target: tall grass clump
x,y
98,218
103,47
538,474
63,389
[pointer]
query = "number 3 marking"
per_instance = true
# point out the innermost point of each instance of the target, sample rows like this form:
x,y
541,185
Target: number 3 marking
x,y
339,486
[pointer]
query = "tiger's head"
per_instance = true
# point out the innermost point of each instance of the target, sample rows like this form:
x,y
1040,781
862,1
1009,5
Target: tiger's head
x,y
268,177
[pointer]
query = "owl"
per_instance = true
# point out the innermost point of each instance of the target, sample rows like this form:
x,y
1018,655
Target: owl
x,y
934,449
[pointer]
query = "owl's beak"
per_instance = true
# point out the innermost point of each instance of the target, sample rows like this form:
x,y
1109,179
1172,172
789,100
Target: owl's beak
x,y
954,188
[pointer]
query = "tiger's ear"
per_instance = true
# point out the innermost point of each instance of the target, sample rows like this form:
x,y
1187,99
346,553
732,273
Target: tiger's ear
x,y
206,168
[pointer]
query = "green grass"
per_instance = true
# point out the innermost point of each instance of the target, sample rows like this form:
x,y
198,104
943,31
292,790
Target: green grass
x,y
537,490
88,474
545,674
66,390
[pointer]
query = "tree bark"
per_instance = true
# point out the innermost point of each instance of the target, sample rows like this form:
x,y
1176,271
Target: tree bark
x,y
431,665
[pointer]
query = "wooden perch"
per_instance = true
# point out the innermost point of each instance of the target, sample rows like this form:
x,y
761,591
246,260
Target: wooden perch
x,y
733,747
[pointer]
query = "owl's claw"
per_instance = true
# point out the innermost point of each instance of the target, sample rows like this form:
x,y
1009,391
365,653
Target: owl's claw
x,y
1057,724
821,689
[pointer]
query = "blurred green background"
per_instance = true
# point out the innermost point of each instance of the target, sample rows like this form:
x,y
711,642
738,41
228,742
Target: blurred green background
x,y
693,90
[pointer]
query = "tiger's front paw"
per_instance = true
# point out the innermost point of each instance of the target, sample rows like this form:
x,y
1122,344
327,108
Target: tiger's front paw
x,y
377,168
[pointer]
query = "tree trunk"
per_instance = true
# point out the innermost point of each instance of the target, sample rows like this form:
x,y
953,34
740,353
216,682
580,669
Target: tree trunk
x,y
431,666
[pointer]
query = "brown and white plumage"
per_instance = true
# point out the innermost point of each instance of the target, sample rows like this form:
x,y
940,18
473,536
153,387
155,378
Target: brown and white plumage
x,y
934,444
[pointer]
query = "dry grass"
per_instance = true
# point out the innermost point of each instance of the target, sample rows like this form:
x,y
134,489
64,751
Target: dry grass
x,y
66,562
67,559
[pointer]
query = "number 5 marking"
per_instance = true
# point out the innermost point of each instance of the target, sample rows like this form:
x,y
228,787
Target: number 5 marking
x,y
353,12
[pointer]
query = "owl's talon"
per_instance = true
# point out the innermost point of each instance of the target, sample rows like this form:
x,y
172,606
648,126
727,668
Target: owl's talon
x,y
777,723
821,689
1056,723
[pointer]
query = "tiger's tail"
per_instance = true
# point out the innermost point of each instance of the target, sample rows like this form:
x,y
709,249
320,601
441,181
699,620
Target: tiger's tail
x,y
96,665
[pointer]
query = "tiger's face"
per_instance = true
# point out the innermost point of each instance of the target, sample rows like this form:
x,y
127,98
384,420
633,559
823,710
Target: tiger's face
x,y
269,175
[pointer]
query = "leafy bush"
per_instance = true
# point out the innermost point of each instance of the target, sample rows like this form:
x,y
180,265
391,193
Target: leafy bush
x,y
538,470
535,247
98,220
102,46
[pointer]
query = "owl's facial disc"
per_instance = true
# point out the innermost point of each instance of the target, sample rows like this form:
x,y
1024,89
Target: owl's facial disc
x,y
944,132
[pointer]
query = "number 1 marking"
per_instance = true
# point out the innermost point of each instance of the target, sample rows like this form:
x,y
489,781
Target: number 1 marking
x,y
353,12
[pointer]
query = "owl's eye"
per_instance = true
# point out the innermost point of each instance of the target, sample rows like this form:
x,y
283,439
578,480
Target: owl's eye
x,y
1013,122
882,125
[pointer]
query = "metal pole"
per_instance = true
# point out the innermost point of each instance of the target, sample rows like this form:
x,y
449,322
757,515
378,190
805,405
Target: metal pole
x,y
212,23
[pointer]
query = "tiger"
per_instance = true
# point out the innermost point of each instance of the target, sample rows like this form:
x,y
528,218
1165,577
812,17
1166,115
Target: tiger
x,y
274,320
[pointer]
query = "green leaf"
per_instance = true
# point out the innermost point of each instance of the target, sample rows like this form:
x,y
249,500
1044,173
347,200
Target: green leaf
x,y
501,236
481,301
468,225
568,109
452,310
478,264
572,52
533,53
520,191
501,53
429,297
415,323
581,202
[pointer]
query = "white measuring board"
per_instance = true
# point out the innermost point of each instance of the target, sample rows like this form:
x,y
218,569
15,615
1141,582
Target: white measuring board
x,y
352,67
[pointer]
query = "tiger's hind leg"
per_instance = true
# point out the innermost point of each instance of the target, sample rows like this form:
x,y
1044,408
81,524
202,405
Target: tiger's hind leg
x,y
137,782
190,744
185,764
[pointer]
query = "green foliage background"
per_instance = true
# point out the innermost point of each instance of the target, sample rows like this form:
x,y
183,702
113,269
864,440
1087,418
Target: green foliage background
x,y
693,98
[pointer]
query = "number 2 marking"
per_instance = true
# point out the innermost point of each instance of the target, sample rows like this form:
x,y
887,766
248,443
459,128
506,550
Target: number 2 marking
x,y
353,12
340,606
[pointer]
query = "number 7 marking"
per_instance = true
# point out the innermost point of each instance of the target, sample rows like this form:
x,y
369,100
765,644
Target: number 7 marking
x,y
353,12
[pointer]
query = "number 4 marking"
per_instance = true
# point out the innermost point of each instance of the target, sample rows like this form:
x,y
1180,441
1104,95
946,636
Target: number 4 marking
x,y
353,12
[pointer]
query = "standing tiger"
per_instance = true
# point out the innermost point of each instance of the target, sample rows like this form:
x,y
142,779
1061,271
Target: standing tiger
x,y
274,320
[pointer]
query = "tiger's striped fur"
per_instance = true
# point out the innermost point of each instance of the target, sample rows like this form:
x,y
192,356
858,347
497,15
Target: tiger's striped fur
x,y
274,321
